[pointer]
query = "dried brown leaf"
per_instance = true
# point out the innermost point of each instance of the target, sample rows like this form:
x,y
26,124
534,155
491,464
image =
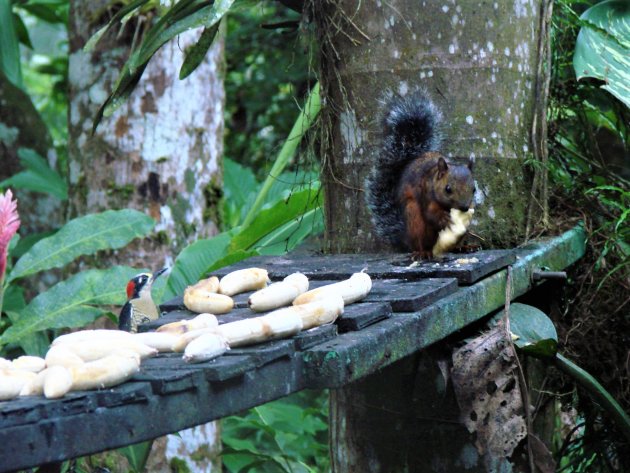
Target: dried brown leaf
x,y
542,456
485,380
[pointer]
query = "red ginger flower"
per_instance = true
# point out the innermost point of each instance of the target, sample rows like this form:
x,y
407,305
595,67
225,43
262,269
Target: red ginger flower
x,y
9,224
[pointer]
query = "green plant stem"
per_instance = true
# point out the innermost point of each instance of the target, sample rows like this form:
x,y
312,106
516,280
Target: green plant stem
x,y
597,391
303,122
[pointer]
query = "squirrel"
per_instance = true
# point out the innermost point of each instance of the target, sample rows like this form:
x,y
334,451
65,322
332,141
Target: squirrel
x,y
412,187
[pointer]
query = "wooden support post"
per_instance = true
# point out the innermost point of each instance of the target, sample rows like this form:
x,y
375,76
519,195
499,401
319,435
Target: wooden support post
x,y
404,418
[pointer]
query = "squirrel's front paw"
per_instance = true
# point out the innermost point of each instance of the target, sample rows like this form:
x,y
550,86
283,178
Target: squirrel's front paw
x,y
421,255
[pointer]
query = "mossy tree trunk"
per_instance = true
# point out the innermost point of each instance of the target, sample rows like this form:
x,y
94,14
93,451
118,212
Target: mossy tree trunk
x,y
477,60
158,153
480,62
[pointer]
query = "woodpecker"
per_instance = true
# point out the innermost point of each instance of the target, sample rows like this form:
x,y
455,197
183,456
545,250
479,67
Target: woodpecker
x,y
140,307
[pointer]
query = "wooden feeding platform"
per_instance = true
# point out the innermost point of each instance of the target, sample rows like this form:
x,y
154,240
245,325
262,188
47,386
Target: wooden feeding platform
x,y
411,306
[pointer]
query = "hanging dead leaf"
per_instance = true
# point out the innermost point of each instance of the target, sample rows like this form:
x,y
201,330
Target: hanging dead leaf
x,y
485,380
542,456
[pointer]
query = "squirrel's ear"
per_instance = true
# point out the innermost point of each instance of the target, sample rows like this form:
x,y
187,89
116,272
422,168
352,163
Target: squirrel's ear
x,y
471,163
442,166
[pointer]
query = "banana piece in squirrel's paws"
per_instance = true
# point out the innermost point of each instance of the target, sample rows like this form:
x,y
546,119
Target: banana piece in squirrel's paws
x,y
454,232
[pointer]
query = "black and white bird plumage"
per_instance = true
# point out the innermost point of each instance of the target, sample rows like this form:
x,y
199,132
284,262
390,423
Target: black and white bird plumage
x,y
139,307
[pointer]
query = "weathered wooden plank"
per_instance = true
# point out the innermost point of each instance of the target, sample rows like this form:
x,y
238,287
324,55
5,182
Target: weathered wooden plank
x,y
405,296
354,355
85,432
358,316
264,353
127,393
314,336
465,268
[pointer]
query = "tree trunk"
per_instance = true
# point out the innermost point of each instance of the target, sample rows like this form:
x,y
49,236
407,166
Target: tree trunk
x,y
158,153
479,61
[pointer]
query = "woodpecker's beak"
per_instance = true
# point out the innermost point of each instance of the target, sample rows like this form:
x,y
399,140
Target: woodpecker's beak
x,y
161,271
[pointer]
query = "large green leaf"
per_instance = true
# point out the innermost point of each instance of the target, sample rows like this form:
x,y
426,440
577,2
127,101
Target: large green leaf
x,y
71,303
274,217
38,176
9,45
83,236
602,49
303,122
36,344
192,263
239,191
287,237
536,333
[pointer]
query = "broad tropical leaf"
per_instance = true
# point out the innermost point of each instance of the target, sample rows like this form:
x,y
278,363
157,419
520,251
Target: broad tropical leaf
x,y
38,176
9,45
287,237
602,49
83,236
192,263
273,218
303,122
71,303
536,333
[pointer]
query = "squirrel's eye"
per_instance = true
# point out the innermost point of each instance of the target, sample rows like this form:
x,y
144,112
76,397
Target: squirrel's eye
x,y
448,189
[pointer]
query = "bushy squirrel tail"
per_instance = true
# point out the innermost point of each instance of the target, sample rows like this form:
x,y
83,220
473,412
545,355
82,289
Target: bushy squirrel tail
x,y
410,130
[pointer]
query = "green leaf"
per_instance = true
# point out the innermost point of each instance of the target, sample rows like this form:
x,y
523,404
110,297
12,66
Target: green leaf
x,y
287,237
21,31
276,216
536,333
304,120
177,21
196,53
13,299
118,17
35,344
602,49
239,191
137,454
9,45
231,258
83,236
43,12
192,263
183,16
597,392
71,303
27,242
38,177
